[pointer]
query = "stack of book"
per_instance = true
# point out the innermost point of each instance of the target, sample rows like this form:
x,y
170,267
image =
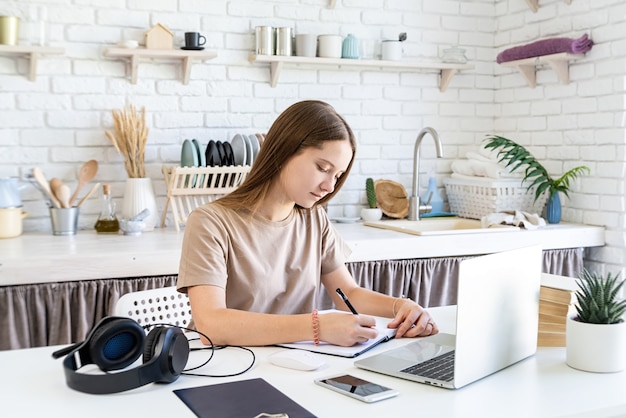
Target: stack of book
x,y
556,303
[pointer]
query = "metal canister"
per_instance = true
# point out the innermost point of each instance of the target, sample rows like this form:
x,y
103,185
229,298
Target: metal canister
x,y
284,42
9,30
265,40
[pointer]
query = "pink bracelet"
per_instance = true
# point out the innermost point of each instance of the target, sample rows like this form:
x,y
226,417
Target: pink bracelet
x,y
393,308
315,319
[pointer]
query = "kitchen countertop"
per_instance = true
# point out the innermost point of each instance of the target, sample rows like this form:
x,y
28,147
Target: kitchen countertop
x,y
43,258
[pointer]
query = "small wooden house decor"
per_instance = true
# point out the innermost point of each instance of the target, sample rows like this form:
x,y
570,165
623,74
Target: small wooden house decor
x,y
159,37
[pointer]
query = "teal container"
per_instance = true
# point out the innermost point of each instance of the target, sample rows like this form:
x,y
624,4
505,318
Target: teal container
x,y
350,48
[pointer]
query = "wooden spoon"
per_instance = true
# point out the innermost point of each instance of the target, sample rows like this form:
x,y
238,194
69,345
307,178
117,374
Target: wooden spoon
x,y
88,195
55,186
64,196
41,180
85,175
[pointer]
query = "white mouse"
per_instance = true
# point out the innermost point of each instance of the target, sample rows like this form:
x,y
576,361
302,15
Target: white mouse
x,y
296,359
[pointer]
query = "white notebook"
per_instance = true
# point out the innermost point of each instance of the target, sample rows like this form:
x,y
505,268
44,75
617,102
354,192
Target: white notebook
x,y
384,334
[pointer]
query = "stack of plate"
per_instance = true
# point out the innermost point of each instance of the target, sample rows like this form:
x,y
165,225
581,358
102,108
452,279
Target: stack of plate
x,y
241,150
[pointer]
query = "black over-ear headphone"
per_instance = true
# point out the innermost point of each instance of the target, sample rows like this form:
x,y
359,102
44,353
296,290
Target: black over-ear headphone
x,y
117,342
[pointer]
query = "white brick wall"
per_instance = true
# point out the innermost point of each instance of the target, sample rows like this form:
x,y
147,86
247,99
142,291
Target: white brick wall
x,y
58,121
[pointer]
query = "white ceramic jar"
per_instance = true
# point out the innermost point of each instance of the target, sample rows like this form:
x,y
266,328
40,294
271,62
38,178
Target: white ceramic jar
x,y
329,46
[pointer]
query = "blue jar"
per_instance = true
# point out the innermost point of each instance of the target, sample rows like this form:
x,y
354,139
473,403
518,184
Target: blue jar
x,y
350,47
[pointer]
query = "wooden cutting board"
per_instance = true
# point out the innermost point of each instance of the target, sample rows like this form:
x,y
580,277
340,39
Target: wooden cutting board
x,y
392,198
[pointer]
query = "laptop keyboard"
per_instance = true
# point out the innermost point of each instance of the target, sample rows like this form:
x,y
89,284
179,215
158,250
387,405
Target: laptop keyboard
x,y
439,368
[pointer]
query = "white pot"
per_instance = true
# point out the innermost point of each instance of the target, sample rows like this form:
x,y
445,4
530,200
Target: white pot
x,y
599,348
371,214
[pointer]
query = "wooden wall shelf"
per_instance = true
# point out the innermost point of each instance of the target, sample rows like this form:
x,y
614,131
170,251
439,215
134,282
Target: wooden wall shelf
x,y
558,62
277,62
134,55
33,53
534,4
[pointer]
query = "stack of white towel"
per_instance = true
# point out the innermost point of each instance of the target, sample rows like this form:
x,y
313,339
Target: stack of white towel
x,y
483,164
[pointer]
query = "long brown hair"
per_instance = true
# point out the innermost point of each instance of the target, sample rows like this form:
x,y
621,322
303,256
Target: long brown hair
x,y
302,125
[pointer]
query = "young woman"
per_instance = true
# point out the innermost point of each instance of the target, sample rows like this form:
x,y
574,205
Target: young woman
x,y
252,262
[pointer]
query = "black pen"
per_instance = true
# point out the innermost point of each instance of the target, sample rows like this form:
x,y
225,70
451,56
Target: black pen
x,y
345,299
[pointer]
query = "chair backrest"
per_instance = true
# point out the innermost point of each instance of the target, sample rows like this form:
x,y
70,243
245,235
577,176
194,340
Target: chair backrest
x,y
156,306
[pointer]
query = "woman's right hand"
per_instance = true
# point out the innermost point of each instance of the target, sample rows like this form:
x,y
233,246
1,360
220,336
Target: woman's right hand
x,y
346,329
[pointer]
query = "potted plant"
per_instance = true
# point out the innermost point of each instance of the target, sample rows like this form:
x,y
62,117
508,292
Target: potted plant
x,y
517,156
595,336
372,212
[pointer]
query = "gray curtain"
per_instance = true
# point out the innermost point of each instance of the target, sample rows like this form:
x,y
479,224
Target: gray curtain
x,y
61,313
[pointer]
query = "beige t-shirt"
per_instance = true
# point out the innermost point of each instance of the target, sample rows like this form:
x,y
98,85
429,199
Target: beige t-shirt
x,y
269,267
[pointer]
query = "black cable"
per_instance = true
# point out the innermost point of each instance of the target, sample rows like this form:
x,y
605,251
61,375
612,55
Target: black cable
x,y
211,347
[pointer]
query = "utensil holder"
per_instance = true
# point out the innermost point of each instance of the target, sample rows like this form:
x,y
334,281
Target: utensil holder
x,y
64,220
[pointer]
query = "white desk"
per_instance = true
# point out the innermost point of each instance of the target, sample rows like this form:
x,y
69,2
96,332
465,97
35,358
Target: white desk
x,y
33,384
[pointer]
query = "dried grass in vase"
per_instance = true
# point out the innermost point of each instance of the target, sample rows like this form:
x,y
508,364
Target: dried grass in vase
x,y
129,138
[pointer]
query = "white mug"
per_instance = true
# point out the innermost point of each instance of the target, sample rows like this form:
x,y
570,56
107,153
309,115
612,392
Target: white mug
x,y
391,50
306,45
329,46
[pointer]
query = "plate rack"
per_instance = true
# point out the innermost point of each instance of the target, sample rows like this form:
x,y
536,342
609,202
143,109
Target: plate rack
x,y
190,187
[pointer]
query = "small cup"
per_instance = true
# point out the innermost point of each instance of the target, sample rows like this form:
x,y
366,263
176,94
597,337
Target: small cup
x,y
64,220
306,45
194,40
391,50
329,46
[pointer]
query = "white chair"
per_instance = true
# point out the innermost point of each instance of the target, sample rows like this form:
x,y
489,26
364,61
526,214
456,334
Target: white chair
x,y
156,306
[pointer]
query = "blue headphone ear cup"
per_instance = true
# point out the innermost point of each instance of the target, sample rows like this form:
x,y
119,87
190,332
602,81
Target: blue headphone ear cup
x,y
117,344
169,348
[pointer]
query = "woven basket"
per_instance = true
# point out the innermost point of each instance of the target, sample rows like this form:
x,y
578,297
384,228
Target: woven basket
x,y
477,198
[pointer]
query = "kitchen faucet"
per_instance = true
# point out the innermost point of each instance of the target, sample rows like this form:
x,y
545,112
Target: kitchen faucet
x,y
415,204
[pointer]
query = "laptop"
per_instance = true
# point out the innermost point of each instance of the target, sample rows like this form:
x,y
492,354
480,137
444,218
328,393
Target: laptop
x,y
496,324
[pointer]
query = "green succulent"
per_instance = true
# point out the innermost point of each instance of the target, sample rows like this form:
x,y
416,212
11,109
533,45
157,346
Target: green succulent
x,y
597,299
517,156
370,192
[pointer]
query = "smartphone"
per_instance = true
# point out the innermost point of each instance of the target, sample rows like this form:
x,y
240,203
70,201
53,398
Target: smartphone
x,y
357,388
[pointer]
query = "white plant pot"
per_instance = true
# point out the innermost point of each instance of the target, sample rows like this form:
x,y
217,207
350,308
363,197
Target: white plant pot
x,y
371,214
599,348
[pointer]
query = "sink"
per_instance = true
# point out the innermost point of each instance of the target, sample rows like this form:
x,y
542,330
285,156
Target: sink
x,y
448,226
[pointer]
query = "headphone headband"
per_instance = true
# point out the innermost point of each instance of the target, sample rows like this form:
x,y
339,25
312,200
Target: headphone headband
x,y
117,342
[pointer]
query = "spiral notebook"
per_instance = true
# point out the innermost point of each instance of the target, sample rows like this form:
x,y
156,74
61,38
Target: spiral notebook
x,y
384,334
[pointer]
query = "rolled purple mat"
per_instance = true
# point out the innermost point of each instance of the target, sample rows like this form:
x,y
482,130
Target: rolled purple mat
x,y
546,47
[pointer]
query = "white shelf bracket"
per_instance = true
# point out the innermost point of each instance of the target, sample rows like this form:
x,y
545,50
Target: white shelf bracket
x,y
134,63
186,69
530,74
561,68
275,68
32,75
446,77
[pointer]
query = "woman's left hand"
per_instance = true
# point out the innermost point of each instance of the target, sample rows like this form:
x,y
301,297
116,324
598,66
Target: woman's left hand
x,y
411,320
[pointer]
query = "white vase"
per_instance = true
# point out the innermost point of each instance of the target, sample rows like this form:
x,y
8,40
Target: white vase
x,y
371,214
139,195
599,348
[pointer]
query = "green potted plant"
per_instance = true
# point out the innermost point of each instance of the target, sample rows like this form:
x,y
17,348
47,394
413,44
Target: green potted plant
x,y
372,212
595,336
516,156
